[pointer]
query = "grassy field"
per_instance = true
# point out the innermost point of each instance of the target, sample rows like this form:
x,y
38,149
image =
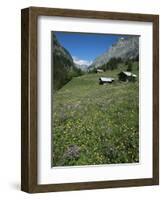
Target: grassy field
x,y
96,124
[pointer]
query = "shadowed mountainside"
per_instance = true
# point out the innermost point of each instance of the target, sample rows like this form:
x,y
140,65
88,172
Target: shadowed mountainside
x,y
63,66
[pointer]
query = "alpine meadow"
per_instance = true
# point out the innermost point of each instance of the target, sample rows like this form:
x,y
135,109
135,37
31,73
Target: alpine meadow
x,y
95,99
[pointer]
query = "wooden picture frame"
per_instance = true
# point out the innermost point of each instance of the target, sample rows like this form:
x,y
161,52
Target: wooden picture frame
x,y
29,112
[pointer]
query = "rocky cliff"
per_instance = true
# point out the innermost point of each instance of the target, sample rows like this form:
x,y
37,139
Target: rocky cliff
x,y
125,48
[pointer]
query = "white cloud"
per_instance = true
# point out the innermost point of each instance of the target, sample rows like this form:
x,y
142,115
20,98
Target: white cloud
x,y
81,62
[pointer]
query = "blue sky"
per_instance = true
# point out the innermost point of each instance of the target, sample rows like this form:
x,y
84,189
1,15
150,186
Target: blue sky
x,y
84,47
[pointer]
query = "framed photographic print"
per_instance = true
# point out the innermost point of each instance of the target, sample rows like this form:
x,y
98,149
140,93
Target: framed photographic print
x,y
90,99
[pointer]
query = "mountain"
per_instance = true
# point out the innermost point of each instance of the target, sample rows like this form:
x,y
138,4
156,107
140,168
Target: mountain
x,y
82,67
82,64
125,48
63,66
60,51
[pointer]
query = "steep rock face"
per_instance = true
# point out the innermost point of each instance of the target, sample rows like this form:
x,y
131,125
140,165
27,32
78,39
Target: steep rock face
x,y
125,48
63,64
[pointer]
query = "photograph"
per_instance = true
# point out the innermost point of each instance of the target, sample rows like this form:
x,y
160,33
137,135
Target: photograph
x,y
95,99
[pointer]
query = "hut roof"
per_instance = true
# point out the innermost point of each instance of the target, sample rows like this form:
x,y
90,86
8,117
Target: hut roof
x,y
105,79
129,74
100,70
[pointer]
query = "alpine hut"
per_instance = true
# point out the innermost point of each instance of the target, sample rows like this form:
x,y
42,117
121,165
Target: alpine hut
x,y
104,80
127,76
99,70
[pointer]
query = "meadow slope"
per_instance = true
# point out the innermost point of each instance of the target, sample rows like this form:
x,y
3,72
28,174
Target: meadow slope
x,y
95,124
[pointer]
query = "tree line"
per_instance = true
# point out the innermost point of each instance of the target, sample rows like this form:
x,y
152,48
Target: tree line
x,y
113,63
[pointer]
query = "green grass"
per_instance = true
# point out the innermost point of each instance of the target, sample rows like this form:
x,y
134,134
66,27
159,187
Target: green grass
x,y
96,124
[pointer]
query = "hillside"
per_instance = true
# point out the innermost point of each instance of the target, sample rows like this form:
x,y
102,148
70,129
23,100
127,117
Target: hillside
x,y
125,48
96,124
63,66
